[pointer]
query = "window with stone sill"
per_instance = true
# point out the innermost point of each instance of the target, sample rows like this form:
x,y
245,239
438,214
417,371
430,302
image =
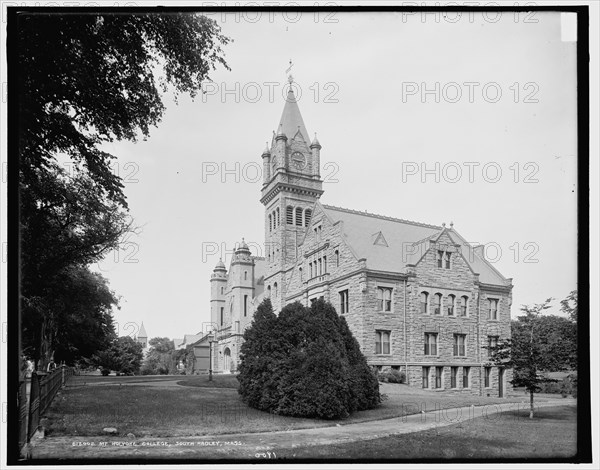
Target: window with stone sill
x,y
424,302
344,302
437,304
384,299
382,342
430,345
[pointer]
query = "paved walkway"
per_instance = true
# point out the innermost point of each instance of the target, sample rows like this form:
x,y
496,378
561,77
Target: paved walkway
x,y
264,445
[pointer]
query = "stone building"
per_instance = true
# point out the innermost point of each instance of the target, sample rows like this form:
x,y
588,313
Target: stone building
x,y
417,297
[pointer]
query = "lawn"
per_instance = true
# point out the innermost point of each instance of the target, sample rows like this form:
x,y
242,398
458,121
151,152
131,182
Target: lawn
x,y
157,407
551,434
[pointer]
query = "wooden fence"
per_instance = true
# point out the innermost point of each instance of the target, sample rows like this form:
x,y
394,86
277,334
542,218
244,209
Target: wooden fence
x,y
43,390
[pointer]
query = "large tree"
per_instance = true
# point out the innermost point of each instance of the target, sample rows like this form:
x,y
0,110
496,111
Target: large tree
x,y
124,356
160,358
84,80
538,344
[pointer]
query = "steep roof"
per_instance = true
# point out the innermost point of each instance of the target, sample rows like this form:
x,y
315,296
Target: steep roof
x,y
407,242
487,273
399,234
142,333
291,119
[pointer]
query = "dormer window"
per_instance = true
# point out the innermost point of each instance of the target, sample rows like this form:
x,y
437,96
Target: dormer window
x,y
448,254
440,259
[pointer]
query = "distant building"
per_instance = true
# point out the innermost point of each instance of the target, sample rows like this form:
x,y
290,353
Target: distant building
x,y
142,338
417,297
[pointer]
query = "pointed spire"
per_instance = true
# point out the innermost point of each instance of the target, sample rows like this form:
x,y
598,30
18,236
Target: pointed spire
x,y
315,142
142,333
291,120
266,151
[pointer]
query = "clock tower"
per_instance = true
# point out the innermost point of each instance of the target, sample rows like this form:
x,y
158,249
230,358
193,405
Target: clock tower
x,y
291,186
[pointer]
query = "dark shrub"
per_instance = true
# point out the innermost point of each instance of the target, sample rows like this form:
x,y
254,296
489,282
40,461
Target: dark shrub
x,y
304,362
392,376
105,371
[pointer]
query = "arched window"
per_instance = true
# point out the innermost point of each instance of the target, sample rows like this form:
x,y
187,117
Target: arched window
x,y
300,270
437,304
275,289
268,291
277,218
245,275
464,300
320,271
289,215
451,302
299,216
424,302
307,216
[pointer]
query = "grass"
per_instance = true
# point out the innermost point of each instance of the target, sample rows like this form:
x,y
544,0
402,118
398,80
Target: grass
x,y
147,406
551,434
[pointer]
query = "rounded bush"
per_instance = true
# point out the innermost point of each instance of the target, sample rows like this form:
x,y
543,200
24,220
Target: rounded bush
x,y
304,362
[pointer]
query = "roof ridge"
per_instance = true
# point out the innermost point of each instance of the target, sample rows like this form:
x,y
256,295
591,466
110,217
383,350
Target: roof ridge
x,y
383,217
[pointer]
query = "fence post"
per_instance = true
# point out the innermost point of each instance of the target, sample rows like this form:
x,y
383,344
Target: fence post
x,y
62,372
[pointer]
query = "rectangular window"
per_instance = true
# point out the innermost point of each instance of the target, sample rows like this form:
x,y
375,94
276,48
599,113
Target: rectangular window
x,y
222,310
324,264
492,343
320,271
440,259
459,344
486,377
438,377
344,304
382,342
245,305
430,344
453,374
384,299
425,377
493,309
448,255
466,371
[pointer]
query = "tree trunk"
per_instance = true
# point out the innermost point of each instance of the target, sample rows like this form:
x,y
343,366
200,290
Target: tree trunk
x,y
531,404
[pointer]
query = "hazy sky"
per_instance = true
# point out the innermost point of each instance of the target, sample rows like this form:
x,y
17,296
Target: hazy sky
x,y
500,107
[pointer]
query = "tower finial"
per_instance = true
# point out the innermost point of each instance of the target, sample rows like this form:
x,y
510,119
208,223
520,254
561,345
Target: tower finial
x,y
288,70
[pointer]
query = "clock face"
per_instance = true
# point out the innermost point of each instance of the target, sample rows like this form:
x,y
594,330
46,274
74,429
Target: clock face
x,y
298,161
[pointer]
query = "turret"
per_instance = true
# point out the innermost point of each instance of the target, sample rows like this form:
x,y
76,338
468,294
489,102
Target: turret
x,y
280,144
266,156
218,287
315,147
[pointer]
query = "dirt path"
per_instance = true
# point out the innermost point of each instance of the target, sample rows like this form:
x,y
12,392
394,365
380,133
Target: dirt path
x,y
263,445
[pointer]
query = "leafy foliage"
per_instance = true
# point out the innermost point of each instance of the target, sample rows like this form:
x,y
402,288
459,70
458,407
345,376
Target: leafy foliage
x,y
84,80
73,320
124,356
539,343
304,362
160,358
